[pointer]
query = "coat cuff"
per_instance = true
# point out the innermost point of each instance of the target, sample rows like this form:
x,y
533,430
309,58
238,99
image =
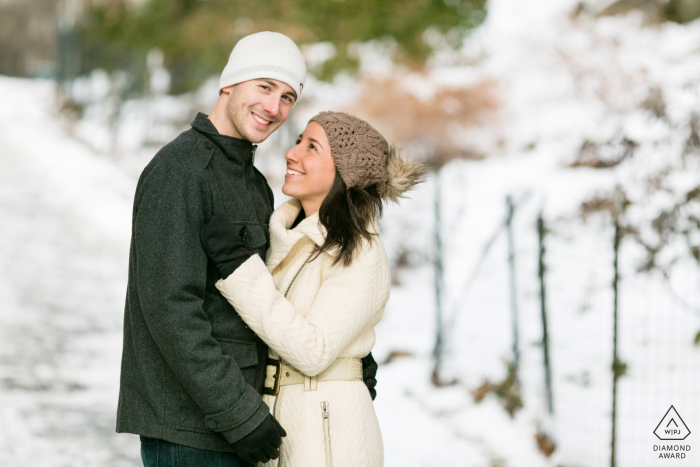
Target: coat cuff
x,y
241,419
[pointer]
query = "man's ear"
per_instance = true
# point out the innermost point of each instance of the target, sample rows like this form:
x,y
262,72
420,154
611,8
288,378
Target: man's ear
x,y
226,90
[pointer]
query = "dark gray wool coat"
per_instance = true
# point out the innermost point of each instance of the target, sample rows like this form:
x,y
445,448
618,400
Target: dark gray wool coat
x,y
192,371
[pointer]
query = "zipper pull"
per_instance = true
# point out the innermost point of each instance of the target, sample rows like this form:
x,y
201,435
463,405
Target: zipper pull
x,y
324,406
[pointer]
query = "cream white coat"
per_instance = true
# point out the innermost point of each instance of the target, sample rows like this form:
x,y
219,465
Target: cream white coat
x,y
329,312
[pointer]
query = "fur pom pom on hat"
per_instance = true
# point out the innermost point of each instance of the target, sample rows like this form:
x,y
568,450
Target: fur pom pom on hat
x,y
402,175
363,157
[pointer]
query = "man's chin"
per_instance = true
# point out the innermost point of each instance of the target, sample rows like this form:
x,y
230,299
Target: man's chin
x,y
257,136
257,140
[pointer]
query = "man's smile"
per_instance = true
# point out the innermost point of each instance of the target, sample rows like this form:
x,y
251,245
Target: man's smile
x,y
261,120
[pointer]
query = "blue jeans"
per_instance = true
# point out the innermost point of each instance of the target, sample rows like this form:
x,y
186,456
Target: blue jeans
x,y
159,453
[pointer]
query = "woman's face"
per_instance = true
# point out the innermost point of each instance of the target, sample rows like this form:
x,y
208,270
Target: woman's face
x,y
310,168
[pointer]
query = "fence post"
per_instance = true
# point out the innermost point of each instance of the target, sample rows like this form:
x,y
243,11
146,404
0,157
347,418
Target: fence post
x,y
439,328
513,299
616,367
542,231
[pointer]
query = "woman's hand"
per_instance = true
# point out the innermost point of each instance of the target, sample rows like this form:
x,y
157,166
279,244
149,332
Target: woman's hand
x,y
369,374
222,241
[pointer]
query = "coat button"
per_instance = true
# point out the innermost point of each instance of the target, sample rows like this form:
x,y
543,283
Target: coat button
x,y
207,145
211,424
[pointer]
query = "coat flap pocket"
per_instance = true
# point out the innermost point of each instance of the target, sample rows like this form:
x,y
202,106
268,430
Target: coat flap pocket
x,y
253,236
245,354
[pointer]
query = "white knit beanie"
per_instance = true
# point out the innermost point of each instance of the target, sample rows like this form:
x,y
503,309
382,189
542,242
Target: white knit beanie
x,y
265,55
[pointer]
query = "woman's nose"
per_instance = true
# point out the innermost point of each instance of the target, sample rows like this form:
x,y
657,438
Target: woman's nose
x,y
291,155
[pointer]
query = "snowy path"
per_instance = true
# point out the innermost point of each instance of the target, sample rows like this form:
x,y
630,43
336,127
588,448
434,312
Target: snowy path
x,y
62,270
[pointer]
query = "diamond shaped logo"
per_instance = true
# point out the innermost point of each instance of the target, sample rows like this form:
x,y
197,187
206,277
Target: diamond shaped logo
x,y
671,427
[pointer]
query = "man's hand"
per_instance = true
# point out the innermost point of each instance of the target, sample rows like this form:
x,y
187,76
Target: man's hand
x,y
223,243
263,443
369,374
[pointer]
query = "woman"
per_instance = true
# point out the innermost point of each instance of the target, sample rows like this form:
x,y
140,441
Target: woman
x,y
323,290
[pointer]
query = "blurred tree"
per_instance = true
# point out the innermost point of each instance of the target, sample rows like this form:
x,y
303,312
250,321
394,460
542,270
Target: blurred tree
x,y
680,11
196,36
683,11
27,40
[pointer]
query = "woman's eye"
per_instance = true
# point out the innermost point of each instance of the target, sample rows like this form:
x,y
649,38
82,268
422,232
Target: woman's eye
x,y
298,141
311,146
266,88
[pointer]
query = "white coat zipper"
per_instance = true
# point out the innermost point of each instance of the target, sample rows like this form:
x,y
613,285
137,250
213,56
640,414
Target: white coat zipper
x,y
274,414
277,397
327,432
296,275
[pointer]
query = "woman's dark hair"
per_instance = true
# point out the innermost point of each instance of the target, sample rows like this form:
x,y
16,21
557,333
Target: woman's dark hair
x,y
347,214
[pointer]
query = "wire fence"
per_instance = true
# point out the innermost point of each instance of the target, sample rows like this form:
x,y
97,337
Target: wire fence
x,y
598,365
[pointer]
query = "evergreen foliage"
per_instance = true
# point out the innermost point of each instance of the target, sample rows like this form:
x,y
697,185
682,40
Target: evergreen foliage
x,y
196,36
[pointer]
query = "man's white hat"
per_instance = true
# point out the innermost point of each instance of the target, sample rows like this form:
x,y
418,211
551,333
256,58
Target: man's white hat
x,y
265,55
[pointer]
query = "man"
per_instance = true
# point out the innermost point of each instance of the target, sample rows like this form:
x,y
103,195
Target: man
x,y
192,372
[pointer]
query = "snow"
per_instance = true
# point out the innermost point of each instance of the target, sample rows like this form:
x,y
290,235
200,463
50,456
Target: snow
x,y
65,229
562,80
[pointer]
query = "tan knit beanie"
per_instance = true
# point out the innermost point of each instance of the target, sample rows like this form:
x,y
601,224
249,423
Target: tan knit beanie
x,y
359,151
363,157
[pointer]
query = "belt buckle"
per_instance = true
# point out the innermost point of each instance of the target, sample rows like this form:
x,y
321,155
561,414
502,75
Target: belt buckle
x,y
275,389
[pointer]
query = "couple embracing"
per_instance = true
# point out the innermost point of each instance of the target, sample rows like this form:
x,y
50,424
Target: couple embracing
x,y
247,332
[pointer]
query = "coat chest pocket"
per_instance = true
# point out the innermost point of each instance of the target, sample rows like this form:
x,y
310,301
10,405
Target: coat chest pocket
x,y
253,235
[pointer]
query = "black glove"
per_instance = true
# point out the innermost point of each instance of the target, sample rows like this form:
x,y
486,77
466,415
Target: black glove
x,y
369,374
262,444
223,243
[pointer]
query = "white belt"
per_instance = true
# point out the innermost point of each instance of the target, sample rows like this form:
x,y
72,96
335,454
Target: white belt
x,y
278,373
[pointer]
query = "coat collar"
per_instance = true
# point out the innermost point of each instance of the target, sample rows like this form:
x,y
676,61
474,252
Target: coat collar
x,y
235,149
282,240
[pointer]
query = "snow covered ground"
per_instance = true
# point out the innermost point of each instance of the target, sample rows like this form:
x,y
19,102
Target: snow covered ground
x,y
563,81
63,257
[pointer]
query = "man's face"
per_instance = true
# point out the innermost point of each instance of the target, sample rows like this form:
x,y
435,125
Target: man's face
x,y
256,108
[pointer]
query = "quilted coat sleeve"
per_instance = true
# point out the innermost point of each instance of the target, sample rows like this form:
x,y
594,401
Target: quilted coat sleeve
x,y
348,301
